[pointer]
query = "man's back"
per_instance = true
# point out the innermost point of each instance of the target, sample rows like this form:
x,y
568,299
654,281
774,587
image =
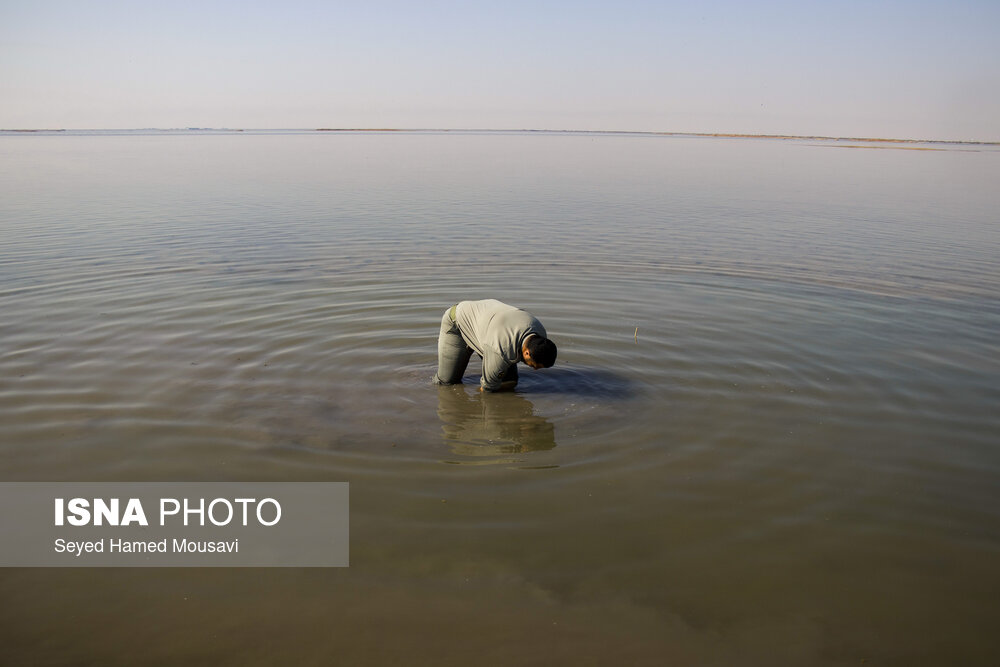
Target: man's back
x,y
491,326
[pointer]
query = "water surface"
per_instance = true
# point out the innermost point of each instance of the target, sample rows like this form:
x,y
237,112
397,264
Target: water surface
x,y
771,436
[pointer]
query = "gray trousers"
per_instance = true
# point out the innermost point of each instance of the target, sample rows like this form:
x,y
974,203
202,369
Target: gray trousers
x,y
454,354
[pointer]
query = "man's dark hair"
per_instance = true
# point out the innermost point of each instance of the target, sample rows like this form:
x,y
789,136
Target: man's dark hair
x,y
542,350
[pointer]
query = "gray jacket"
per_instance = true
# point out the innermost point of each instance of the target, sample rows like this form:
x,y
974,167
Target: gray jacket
x,y
496,332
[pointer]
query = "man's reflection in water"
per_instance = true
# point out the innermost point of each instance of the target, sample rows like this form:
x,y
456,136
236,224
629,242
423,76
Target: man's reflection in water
x,y
484,424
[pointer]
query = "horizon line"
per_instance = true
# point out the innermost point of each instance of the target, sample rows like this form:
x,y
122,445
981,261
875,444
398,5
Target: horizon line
x,y
721,135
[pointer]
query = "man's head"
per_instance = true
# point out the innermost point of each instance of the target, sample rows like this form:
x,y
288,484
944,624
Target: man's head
x,y
538,352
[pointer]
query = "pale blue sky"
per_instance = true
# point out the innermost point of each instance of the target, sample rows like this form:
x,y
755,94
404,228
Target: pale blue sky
x,y
891,69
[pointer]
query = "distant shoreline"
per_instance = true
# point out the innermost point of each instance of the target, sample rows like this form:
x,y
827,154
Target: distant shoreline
x,y
715,135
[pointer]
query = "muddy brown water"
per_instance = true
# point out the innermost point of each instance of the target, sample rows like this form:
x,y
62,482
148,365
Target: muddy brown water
x,y
771,436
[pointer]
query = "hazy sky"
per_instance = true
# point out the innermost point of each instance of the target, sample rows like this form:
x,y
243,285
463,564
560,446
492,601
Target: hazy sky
x,y
890,69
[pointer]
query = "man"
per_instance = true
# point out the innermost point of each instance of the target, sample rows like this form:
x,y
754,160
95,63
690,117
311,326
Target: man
x,y
502,335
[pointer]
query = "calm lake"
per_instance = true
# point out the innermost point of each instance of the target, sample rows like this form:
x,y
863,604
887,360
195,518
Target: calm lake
x,y
772,436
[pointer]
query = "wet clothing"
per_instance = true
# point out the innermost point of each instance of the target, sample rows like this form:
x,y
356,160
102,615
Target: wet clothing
x,y
491,329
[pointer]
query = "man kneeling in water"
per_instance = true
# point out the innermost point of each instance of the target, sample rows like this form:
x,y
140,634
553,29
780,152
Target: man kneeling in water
x,y
502,335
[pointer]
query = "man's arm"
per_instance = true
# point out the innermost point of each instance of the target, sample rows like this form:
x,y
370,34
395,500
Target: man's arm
x,y
494,368
504,386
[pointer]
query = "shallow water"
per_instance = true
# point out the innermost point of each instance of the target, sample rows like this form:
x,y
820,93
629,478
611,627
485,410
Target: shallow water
x,y
771,436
